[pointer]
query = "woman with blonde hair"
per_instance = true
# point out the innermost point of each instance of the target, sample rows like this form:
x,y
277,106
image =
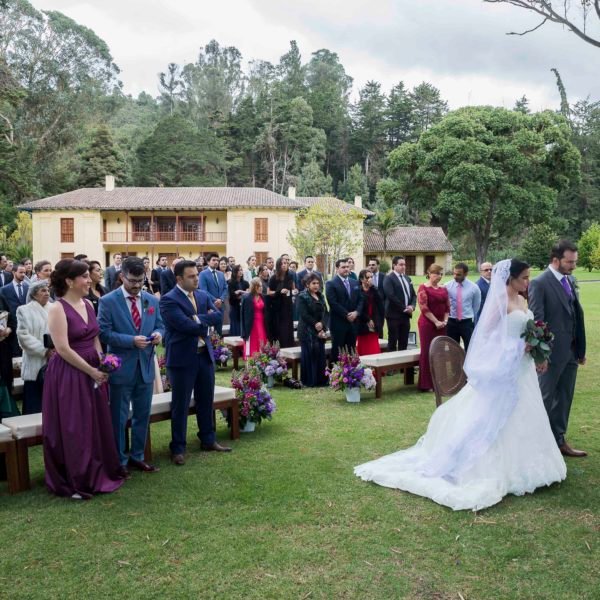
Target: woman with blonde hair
x,y
254,330
434,304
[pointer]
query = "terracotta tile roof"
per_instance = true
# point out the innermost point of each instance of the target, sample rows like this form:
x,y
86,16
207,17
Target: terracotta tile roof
x,y
157,198
331,201
408,239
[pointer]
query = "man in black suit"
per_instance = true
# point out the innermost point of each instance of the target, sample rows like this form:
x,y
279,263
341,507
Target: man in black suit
x,y
167,278
161,265
309,267
14,295
553,298
483,283
112,273
400,302
342,297
378,279
5,276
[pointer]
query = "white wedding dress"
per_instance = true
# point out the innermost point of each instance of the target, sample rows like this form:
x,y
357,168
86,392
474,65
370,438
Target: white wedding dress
x,y
522,456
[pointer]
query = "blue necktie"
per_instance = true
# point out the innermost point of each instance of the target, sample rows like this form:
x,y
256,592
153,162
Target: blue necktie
x,y
347,285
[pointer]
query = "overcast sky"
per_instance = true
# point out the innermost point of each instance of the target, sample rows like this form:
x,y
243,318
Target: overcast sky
x,y
458,45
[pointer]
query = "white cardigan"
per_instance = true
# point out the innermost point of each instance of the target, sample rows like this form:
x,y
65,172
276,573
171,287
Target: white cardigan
x,y
32,324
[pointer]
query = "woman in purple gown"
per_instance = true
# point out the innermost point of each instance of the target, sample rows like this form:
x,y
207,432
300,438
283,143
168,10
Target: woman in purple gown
x,y
79,449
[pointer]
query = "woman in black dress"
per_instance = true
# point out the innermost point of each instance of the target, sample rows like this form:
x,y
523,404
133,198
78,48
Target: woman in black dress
x,y
237,286
312,333
281,289
97,290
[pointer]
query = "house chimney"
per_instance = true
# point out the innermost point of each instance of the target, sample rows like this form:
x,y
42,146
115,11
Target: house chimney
x,y
110,183
358,201
292,192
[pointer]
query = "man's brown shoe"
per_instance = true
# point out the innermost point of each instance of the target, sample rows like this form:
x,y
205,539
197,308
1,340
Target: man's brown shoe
x,y
178,459
124,473
214,447
566,450
142,465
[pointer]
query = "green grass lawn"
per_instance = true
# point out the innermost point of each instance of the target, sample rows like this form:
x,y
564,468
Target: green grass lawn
x,y
283,516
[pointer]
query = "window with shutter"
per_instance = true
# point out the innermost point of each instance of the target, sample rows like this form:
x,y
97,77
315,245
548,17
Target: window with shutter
x,y
261,230
67,230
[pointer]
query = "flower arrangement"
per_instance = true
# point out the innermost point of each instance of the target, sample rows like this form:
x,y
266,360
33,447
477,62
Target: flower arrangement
x,y
269,362
162,365
539,340
109,363
221,352
255,401
149,310
349,373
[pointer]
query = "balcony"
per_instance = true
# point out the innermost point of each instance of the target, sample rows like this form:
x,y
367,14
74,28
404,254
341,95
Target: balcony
x,y
164,237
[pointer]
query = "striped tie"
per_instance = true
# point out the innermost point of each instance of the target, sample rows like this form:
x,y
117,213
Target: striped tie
x,y
135,313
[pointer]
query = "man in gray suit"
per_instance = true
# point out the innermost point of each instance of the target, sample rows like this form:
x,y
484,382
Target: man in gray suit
x,y
112,273
553,298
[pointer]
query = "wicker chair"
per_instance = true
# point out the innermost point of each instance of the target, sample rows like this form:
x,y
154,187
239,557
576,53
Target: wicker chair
x,y
446,359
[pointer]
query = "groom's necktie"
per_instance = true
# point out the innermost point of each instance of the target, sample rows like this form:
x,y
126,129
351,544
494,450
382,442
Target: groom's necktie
x,y
566,286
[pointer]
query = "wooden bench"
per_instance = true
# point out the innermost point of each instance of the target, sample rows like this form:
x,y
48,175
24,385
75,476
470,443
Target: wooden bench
x,y
235,343
17,387
292,355
8,452
26,430
406,360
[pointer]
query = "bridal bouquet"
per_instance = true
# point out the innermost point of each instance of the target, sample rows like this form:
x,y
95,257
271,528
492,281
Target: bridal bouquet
x,y
269,362
254,399
349,373
539,339
221,352
109,363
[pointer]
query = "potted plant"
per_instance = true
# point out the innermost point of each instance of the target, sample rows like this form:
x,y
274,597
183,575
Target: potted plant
x,y
221,352
349,375
269,363
255,400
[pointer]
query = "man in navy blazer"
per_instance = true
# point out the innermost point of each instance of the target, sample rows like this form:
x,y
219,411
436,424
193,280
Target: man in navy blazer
x,y
5,276
188,313
342,297
14,295
212,281
309,267
112,272
167,278
128,317
483,283
378,279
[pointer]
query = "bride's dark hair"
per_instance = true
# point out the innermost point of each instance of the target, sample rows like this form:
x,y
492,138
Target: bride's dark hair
x,y
516,268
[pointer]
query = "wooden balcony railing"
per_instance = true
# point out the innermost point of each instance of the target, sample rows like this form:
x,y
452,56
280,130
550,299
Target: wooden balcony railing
x,y
164,236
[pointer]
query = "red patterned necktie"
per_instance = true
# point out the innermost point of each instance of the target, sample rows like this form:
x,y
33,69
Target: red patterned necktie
x,y
135,313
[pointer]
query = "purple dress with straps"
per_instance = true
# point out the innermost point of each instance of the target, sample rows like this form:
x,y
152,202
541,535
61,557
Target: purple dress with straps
x,y
79,448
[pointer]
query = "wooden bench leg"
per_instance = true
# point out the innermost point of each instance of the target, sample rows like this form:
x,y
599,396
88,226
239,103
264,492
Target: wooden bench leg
x,y
379,382
22,452
12,467
295,364
234,413
409,376
235,353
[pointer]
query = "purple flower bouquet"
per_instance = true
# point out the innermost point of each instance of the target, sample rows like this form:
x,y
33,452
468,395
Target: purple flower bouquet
x,y
349,373
254,399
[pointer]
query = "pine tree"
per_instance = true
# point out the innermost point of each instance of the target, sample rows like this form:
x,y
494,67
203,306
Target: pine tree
x,y
101,158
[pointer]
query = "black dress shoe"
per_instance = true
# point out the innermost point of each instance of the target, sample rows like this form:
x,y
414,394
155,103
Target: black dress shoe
x,y
214,447
141,465
178,459
123,472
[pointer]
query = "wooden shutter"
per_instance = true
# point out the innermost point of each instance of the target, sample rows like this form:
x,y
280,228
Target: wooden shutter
x,y
67,231
261,230
261,258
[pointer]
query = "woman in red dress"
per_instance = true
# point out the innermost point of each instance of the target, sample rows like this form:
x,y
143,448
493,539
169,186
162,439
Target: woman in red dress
x,y
254,330
370,312
435,308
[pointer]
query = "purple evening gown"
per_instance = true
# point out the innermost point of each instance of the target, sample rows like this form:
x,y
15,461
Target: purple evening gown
x,y
79,447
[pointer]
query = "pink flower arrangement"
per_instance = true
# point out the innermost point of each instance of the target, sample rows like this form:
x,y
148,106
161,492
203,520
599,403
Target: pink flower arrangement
x,y
269,362
349,373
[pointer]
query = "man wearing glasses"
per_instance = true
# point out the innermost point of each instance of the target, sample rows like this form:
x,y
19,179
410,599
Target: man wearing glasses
x,y
483,283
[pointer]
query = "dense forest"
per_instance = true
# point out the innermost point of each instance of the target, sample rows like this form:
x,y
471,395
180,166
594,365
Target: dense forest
x,y
222,121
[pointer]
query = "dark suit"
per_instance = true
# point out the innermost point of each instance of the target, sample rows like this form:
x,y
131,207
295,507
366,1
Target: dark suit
x,y
395,304
5,278
110,277
167,281
155,279
343,335
302,274
549,302
378,285
484,287
190,368
215,290
12,302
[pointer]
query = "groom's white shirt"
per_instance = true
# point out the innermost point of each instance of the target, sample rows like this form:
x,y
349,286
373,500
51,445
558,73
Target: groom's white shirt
x,y
559,276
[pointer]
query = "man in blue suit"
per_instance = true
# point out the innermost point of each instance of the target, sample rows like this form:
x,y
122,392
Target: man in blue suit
x,y
14,294
483,283
131,327
309,269
188,313
342,297
212,281
167,278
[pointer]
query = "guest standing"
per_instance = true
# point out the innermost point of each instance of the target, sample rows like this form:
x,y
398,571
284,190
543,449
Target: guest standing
x,y
6,276
14,295
79,449
483,283
342,297
161,265
378,280
251,272
112,273
42,271
281,289
188,312
370,312
167,278
434,305
97,290
312,332
465,299
128,317
147,287
237,286
212,281
351,272
31,328
309,268
226,270
253,319
28,264
8,324
400,302
264,275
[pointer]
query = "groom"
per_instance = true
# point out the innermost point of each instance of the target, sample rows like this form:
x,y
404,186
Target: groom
x,y
553,298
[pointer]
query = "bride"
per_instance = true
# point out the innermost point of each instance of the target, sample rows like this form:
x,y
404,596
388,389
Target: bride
x,y
493,438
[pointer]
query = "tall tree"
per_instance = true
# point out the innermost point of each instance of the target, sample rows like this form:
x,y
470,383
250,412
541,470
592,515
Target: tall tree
x,y
313,182
355,185
522,105
428,108
170,86
102,157
487,171
564,102
399,116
